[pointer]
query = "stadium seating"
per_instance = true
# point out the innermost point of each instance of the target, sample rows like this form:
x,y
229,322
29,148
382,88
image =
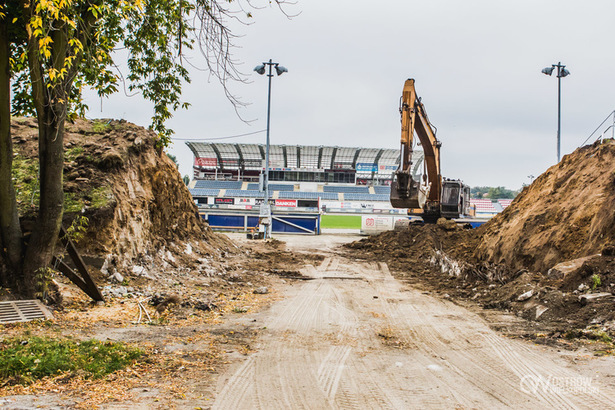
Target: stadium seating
x,y
201,192
218,184
346,189
272,187
504,202
366,197
307,195
483,205
241,193
382,190
281,187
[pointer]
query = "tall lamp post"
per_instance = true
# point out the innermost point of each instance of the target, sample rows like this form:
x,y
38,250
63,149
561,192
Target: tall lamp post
x,y
561,72
265,211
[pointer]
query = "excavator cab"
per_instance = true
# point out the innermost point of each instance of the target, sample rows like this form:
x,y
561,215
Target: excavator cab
x,y
455,199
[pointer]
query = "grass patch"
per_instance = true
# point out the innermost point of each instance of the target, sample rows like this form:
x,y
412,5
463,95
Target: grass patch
x,y
101,196
25,360
340,221
72,153
72,203
100,126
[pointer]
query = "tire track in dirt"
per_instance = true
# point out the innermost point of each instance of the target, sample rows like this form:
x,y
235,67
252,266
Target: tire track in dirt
x,y
321,349
503,361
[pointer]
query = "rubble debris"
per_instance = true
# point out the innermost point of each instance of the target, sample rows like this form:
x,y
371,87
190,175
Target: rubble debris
x,y
526,295
591,297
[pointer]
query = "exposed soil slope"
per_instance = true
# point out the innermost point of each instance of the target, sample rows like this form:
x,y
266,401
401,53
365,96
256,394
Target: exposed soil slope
x,y
567,213
139,210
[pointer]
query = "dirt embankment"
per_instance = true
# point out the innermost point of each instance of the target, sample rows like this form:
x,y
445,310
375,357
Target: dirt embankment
x,y
567,213
141,217
549,257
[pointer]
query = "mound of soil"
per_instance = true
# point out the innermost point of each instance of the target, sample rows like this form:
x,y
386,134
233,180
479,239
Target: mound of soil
x,y
141,216
411,250
567,213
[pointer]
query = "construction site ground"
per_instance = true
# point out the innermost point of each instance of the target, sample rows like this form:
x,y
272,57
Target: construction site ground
x,y
334,328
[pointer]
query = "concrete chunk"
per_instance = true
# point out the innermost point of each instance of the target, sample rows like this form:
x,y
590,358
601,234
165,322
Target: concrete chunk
x,y
591,297
563,269
526,295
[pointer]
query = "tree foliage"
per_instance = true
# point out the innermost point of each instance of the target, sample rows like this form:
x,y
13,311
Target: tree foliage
x,y
493,192
50,50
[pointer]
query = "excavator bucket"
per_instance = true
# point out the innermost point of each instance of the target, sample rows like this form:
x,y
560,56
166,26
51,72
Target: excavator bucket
x,y
407,193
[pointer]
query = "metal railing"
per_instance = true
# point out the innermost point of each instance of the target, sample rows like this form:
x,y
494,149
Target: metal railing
x,y
611,127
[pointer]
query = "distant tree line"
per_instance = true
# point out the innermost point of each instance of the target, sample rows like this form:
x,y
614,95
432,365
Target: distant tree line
x,y
490,192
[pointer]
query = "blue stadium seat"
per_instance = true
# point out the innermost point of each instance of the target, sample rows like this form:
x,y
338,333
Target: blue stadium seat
x,y
366,197
346,189
242,193
382,190
201,192
218,184
281,187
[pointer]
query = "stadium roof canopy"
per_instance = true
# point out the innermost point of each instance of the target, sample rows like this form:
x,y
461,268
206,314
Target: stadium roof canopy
x,y
252,157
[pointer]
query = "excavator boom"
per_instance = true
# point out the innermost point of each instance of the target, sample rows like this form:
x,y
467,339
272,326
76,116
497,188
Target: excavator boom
x,y
406,192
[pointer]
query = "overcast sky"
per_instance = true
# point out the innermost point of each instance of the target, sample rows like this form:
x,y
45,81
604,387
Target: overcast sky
x,y
477,66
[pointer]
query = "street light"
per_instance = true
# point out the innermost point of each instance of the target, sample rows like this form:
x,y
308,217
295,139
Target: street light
x,y
265,211
561,72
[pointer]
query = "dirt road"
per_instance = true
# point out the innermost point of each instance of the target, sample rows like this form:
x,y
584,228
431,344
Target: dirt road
x,y
354,337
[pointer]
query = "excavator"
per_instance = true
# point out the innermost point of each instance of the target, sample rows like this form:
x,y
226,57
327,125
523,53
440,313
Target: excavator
x,y
430,196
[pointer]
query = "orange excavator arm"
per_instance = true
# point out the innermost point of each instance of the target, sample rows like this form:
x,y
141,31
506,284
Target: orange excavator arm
x,y
406,192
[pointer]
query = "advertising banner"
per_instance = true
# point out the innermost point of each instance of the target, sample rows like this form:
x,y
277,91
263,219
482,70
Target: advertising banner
x,y
224,201
289,203
366,167
373,223
205,162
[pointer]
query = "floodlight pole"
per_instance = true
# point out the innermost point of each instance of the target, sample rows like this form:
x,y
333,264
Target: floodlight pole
x,y
266,208
559,112
561,72
266,179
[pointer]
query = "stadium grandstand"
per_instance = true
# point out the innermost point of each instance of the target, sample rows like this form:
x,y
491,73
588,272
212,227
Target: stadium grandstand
x,y
303,181
300,163
228,174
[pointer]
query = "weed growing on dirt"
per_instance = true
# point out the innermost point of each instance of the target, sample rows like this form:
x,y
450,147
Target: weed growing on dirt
x,y
101,196
22,361
596,281
72,153
100,126
42,278
77,228
72,203
591,334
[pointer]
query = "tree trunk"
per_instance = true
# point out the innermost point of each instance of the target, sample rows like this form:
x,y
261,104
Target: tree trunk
x,y
51,159
10,231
